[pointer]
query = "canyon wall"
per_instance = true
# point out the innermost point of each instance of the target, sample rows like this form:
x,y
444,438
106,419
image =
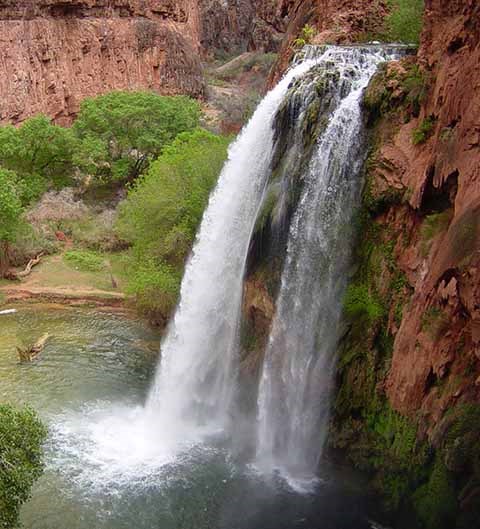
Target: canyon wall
x,y
57,52
336,22
407,406
408,381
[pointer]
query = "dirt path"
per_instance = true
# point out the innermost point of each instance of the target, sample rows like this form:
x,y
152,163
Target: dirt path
x,y
54,280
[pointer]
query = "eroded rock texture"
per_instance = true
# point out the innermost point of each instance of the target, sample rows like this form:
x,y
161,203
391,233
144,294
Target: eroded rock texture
x,y
54,53
442,180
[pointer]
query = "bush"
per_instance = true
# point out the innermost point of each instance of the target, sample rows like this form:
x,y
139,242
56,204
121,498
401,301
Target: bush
x,y
155,287
84,260
163,210
405,21
21,438
360,305
10,212
94,232
29,242
423,131
56,206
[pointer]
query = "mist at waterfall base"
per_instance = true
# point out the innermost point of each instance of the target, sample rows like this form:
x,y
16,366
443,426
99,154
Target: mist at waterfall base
x,y
169,463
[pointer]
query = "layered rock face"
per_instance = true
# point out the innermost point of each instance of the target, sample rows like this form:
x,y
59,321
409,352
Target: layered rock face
x,y
56,53
407,407
240,25
442,180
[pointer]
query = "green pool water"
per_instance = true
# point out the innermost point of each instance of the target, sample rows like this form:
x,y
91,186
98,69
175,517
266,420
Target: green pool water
x,y
89,386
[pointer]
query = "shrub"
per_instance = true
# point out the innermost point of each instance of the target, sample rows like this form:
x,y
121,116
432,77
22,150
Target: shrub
x,y
359,305
155,287
305,37
423,131
84,260
163,210
21,438
29,242
10,212
404,24
57,206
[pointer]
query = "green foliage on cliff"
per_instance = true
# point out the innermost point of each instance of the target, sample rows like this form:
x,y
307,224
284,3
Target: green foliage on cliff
x,y
306,36
120,133
377,439
435,501
396,91
423,131
361,306
21,439
162,212
404,24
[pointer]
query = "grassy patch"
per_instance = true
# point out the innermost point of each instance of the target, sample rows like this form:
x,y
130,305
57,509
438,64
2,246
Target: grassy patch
x,y
84,260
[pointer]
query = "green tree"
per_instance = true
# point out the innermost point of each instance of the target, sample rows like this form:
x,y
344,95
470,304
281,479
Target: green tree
x,y
10,214
21,438
122,132
39,152
162,213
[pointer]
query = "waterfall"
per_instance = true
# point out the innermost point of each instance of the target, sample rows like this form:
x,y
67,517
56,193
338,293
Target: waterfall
x,y
195,381
297,374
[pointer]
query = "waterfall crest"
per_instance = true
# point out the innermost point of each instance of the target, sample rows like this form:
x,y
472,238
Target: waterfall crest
x,y
294,392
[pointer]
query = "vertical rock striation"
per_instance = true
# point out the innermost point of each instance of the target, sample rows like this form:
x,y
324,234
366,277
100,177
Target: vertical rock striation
x,y
56,53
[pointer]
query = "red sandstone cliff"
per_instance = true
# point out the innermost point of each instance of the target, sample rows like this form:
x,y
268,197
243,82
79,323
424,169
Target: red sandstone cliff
x,y
441,176
56,52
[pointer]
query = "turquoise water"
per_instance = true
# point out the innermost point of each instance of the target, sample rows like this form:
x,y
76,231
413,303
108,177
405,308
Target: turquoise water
x,y
94,372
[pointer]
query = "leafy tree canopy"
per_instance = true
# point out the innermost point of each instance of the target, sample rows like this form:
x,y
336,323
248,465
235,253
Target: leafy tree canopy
x,y
10,205
121,132
39,152
21,439
163,210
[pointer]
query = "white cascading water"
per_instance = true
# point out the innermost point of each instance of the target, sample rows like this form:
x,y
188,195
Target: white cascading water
x,y
196,377
195,380
294,393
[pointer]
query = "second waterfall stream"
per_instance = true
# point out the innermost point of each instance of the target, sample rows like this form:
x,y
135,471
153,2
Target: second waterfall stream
x,y
193,397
